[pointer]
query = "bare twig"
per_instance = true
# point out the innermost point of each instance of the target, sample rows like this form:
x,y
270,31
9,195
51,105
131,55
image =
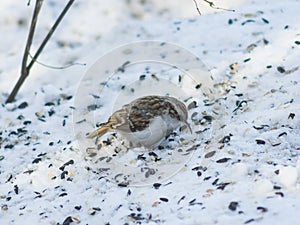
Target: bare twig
x,y
212,5
26,69
196,4
58,67
53,28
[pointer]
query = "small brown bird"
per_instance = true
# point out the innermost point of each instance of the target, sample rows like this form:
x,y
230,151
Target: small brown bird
x,y
146,121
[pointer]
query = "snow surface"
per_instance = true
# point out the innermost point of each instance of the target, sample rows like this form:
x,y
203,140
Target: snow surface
x,y
254,55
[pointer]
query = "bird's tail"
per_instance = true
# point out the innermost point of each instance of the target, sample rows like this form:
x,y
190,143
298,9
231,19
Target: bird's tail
x,y
99,132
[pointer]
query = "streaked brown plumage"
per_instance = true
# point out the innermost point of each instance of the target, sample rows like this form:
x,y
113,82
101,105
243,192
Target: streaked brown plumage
x,y
146,121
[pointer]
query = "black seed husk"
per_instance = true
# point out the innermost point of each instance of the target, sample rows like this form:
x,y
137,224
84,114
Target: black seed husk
x,y
282,134
291,116
164,199
280,69
68,221
192,105
78,207
262,209
156,185
37,160
260,142
23,105
210,154
249,221
233,206
223,160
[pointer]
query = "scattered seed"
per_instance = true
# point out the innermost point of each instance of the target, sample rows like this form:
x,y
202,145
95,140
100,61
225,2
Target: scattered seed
x,y
81,121
164,199
143,77
70,162
262,209
27,122
197,168
279,193
223,160
156,185
192,105
280,69
182,198
37,160
260,142
92,212
249,221
63,194
251,47
210,154
136,216
4,207
9,146
265,41
247,21
291,116
225,139
123,66
193,202
179,78
63,174
208,118
297,42
23,105
265,20
282,134
233,206
51,112
93,107
194,116
260,127
154,77
96,209
234,68
215,181
240,105
123,184
16,189
222,186
198,86
207,178
70,220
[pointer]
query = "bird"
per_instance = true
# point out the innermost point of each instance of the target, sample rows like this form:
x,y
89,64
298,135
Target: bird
x,y
146,121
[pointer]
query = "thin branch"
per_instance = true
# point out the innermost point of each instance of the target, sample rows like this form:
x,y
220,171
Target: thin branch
x,y
196,4
212,5
58,67
26,69
53,28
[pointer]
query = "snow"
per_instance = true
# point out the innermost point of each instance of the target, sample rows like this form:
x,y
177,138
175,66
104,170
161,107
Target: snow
x,y
253,56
